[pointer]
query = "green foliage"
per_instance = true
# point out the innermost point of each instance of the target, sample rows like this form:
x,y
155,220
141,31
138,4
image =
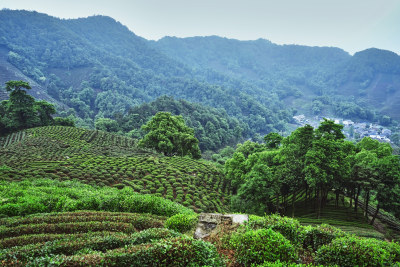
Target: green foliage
x,y
97,238
28,197
316,236
169,134
107,125
21,111
279,263
288,227
182,222
99,77
182,251
273,140
257,246
104,159
355,251
214,128
18,112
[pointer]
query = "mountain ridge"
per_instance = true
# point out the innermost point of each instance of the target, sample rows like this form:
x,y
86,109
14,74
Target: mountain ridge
x,y
98,67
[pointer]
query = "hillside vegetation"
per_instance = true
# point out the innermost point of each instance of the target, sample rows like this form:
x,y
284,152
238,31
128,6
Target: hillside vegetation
x,y
119,227
214,128
312,80
97,67
71,197
129,193
100,158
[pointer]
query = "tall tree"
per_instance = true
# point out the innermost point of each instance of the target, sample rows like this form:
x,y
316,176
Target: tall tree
x,y
169,135
44,111
293,153
19,109
326,161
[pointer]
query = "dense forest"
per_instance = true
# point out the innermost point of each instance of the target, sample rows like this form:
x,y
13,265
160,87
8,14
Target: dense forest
x,y
214,128
98,77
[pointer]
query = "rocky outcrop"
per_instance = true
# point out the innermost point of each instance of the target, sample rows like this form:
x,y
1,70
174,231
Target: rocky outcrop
x,y
208,222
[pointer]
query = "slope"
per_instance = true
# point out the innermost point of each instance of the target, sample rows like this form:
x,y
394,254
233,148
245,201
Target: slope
x,y
99,158
299,75
99,68
10,72
374,76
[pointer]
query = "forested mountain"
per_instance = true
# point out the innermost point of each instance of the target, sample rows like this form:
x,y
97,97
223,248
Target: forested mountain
x,y
98,67
95,67
314,80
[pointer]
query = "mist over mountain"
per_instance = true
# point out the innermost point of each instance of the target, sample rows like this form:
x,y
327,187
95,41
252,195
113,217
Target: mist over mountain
x,y
95,67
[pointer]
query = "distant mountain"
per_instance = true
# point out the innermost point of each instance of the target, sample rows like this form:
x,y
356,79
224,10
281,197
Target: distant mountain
x,y
373,75
316,80
95,67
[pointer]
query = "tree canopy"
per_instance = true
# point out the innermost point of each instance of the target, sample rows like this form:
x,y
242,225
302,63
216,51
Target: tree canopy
x,y
22,111
169,135
317,161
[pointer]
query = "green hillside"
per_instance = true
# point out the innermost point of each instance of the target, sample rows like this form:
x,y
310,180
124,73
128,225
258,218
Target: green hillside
x,y
214,128
100,158
97,67
71,197
119,227
312,80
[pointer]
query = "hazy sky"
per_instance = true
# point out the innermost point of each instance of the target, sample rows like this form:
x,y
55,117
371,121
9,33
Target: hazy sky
x,y
353,25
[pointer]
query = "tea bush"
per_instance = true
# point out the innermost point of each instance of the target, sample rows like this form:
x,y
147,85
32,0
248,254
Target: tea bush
x,y
278,263
43,195
257,246
356,251
76,244
181,251
288,227
182,222
315,236
104,159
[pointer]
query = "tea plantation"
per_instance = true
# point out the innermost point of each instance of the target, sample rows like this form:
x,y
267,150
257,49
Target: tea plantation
x,y
75,197
103,159
44,224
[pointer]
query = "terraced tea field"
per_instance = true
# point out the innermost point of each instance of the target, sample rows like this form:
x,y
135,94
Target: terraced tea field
x,y
91,238
103,159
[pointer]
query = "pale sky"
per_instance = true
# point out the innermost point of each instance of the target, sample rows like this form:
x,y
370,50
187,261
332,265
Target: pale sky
x,y
352,25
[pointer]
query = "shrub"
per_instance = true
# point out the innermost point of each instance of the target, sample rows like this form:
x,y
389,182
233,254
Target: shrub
x,y
182,222
316,236
181,251
288,227
278,263
44,195
257,246
119,186
356,251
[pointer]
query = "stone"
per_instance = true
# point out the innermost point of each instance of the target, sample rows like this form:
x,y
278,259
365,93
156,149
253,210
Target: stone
x,y
208,222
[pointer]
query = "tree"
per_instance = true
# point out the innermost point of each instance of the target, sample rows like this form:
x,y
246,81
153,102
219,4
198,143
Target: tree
x,y
326,162
19,109
273,140
169,135
235,170
107,125
261,182
388,188
44,111
293,153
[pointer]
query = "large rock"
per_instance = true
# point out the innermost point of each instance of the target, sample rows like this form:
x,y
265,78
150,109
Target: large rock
x,y
208,222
